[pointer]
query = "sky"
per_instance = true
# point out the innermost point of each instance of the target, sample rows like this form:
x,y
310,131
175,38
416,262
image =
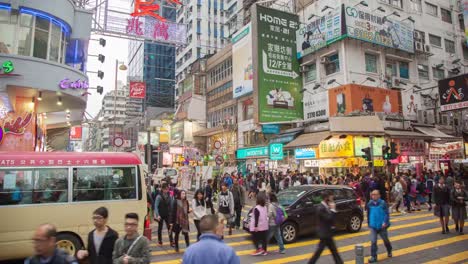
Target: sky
x,y
115,49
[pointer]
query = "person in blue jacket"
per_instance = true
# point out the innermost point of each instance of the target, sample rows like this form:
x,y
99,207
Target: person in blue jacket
x,y
378,221
210,249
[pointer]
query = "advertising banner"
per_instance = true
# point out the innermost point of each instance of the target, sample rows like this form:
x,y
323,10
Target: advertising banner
x,y
379,29
270,129
453,93
242,67
411,103
251,152
358,98
364,142
76,132
465,18
276,151
336,147
18,128
316,106
137,90
411,147
278,83
319,32
305,153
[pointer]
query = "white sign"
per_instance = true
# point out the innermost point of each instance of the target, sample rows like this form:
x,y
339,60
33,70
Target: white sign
x,y
118,142
411,104
311,163
156,123
316,106
242,73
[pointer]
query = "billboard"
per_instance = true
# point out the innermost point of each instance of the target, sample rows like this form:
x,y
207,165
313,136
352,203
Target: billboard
x,y
453,93
336,146
138,90
364,142
350,98
76,132
242,67
411,103
277,81
319,32
379,29
316,106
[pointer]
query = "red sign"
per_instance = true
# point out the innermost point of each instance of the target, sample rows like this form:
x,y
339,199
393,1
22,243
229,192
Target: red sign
x,y
76,133
137,90
16,126
147,8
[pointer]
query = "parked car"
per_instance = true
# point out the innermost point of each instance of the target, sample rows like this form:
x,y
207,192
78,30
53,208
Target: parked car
x,y
301,202
161,173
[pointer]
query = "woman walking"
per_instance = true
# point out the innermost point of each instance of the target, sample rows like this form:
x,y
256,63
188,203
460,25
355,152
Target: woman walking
x,y
275,222
458,197
441,199
397,192
180,219
199,210
259,226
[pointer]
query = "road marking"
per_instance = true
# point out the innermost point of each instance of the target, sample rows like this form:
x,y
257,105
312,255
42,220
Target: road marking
x,y
409,250
451,259
349,247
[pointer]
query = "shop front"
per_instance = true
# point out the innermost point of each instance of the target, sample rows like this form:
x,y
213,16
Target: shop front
x,y
260,159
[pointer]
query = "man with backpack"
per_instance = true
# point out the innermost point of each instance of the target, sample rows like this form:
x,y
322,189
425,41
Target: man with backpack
x,y
162,212
238,193
276,216
225,206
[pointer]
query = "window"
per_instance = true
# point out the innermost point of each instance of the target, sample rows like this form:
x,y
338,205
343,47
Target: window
x,y
421,36
431,9
25,34
41,38
397,69
435,40
423,71
416,6
438,74
97,184
371,63
446,15
397,3
248,111
404,69
333,65
32,186
311,74
449,46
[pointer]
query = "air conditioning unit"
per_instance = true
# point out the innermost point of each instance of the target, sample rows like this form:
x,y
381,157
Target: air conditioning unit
x,y
304,68
419,46
324,60
427,48
418,35
395,82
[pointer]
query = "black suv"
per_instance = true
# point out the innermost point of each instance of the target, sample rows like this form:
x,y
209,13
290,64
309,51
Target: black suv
x,y
301,202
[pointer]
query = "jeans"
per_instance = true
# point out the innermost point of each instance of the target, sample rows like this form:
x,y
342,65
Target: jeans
x,y
326,242
276,232
384,235
160,227
237,221
407,202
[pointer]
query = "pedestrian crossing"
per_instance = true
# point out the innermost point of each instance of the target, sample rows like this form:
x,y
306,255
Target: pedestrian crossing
x,y
417,234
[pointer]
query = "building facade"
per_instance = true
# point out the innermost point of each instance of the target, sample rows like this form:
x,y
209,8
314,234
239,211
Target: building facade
x,y
43,51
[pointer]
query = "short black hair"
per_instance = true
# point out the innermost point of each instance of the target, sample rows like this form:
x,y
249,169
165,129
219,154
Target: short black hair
x,y
326,194
208,223
261,199
131,216
224,184
102,211
164,186
273,198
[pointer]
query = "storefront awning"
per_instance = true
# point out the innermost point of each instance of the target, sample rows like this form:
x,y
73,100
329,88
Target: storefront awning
x,y
309,139
356,125
208,132
406,134
285,137
436,133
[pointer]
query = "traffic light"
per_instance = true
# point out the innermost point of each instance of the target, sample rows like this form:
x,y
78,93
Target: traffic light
x,y
367,154
100,89
102,42
101,58
393,153
100,74
385,152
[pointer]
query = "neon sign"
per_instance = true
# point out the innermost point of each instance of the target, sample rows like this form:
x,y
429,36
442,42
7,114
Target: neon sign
x,y
15,127
7,67
147,8
156,30
78,84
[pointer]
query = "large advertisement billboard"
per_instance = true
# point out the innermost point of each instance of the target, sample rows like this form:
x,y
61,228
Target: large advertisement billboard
x,y
453,93
316,106
277,81
350,98
379,29
319,32
242,67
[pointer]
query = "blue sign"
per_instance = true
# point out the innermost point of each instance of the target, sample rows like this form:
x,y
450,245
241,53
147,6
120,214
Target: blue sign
x,y
270,129
305,153
276,152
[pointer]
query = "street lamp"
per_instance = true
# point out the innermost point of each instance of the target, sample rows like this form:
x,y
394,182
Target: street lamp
x,y
333,81
122,67
363,3
368,79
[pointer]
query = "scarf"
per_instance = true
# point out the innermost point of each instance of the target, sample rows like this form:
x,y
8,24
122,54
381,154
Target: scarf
x,y
182,215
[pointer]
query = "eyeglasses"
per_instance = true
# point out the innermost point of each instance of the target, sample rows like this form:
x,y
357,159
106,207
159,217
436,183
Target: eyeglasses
x,y
130,224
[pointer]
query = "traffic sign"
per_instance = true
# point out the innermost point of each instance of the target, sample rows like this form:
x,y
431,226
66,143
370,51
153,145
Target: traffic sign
x,y
219,160
118,142
217,144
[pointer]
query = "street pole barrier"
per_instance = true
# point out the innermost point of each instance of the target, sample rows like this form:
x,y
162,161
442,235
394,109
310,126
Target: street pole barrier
x,y
359,251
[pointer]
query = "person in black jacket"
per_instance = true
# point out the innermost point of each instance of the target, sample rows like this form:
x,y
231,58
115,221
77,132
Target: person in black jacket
x,y
326,217
209,195
162,212
100,241
441,198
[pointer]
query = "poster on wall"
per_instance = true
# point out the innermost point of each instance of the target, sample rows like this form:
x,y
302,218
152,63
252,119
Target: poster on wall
x,y
18,128
278,82
76,132
319,32
242,67
137,90
316,106
350,98
453,93
411,103
379,29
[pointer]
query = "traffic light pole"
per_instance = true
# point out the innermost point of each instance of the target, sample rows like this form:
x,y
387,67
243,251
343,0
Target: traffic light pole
x,y
371,138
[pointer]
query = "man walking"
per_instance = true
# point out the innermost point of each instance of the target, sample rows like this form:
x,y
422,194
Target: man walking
x,y
378,221
210,248
226,206
238,193
133,247
209,195
326,212
162,212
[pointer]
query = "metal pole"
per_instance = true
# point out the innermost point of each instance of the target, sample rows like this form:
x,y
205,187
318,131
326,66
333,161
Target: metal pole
x,y
149,152
115,105
371,138
359,251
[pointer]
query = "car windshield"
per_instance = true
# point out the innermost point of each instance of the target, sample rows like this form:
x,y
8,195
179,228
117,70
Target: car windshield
x,y
288,197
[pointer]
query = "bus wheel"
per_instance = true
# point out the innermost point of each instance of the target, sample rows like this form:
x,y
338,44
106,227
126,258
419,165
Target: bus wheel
x,y
68,243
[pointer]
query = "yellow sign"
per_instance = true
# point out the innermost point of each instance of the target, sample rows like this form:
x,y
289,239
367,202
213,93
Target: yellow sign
x,y
466,149
336,147
379,163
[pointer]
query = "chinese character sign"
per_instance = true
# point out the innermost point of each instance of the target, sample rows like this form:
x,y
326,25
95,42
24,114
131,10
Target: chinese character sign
x,y
137,90
150,9
278,83
156,30
336,147
453,93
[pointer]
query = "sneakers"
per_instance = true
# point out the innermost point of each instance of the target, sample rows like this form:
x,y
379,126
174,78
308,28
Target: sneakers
x,y
258,252
447,229
264,253
389,254
160,243
372,260
282,251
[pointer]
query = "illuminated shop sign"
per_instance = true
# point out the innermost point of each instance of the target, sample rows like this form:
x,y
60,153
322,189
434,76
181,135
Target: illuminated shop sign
x,y
15,127
69,84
